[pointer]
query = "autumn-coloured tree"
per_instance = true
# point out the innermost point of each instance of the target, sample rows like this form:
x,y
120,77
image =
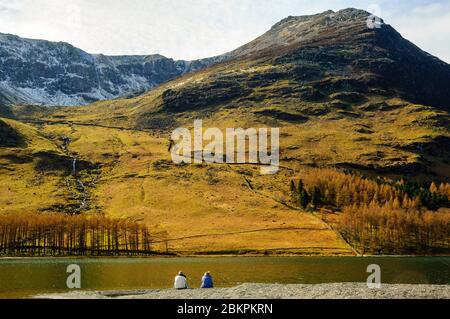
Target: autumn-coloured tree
x,y
389,230
380,216
63,235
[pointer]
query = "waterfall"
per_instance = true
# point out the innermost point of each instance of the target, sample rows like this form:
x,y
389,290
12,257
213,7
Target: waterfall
x,y
80,187
74,166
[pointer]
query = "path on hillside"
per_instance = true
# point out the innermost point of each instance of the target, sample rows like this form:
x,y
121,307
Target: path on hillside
x,y
71,123
241,232
85,197
327,225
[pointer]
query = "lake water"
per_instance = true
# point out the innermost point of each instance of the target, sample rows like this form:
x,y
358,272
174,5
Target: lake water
x,y
26,277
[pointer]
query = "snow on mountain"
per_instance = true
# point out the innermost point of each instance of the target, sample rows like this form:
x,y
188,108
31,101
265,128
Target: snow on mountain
x,y
57,73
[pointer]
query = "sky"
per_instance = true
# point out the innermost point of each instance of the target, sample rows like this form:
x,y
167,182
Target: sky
x,y
192,29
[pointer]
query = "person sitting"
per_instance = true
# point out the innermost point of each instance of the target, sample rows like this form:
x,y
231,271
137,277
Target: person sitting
x,y
207,281
180,281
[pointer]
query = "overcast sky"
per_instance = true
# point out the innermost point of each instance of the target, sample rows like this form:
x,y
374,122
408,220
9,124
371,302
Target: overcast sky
x,y
191,29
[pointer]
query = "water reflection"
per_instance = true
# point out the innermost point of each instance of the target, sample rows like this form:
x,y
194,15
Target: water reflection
x,y
23,277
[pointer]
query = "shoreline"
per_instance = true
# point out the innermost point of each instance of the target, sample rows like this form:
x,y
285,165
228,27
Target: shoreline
x,y
179,256
271,291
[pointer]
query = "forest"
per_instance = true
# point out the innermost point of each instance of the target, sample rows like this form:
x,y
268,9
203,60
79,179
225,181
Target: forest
x,y
379,216
67,235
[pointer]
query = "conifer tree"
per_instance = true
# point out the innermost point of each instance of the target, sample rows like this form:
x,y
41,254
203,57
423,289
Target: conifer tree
x,y
300,186
315,197
292,187
293,192
304,199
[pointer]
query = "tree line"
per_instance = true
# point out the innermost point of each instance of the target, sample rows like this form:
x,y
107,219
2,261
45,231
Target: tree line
x,y
77,235
389,229
379,216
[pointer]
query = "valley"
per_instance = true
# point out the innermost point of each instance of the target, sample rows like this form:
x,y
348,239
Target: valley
x,y
363,103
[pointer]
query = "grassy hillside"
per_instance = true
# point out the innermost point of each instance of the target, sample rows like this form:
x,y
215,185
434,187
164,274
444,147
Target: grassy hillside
x,y
219,208
27,183
198,208
213,205
370,132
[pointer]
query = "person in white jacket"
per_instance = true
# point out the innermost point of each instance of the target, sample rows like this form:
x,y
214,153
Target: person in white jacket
x,y
180,281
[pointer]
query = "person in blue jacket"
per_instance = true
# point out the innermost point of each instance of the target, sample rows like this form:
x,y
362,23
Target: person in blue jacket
x,y
207,281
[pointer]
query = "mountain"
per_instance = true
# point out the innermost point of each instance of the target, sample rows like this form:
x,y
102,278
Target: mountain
x,y
49,73
334,51
375,101
56,73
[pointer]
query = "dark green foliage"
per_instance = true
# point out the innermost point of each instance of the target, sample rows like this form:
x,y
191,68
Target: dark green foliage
x,y
304,199
299,195
292,188
316,197
300,186
428,199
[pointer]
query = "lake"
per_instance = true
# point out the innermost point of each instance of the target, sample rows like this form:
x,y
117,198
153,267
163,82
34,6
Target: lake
x,y
24,277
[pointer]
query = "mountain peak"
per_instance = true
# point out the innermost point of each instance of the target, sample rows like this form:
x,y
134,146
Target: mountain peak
x,y
339,51
344,14
297,29
329,17
291,19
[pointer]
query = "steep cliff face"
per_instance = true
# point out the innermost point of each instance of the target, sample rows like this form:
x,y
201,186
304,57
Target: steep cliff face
x,y
50,73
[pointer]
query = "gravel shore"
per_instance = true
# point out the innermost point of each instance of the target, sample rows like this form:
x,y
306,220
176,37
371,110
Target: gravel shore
x,y
273,291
